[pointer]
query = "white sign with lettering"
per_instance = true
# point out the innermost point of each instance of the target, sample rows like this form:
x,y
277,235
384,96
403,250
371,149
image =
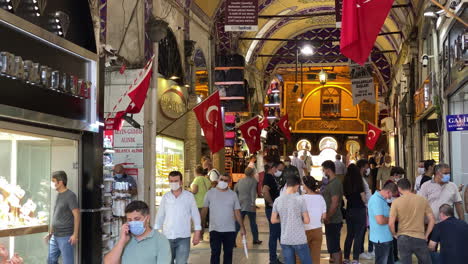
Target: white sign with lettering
x,y
128,137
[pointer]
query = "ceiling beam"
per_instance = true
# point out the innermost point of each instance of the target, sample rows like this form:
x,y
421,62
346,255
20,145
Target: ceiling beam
x,y
304,40
319,56
315,14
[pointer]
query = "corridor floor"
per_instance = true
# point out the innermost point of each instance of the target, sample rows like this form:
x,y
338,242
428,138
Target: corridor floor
x,y
258,254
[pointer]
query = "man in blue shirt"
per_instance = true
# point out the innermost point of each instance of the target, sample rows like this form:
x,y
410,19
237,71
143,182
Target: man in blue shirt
x,y
452,234
139,243
379,213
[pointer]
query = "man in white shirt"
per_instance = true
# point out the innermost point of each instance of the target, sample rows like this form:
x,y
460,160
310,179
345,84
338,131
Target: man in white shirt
x,y
340,168
177,208
299,164
421,171
213,174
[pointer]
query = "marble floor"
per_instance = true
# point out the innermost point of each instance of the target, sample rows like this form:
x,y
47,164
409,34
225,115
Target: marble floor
x,y
200,254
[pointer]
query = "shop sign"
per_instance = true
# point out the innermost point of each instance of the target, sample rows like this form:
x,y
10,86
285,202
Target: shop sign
x,y
128,137
36,74
241,15
457,122
132,157
173,104
362,83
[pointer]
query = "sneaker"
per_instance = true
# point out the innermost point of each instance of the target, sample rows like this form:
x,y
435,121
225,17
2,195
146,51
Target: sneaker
x,y
258,242
346,261
355,262
372,254
365,256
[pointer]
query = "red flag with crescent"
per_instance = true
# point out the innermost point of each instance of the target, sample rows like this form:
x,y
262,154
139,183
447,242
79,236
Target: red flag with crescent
x,y
208,114
251,133
361,23
373,134
264,121
283,124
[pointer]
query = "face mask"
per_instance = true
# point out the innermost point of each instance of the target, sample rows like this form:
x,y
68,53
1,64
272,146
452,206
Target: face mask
x,y
52,185
390,200
325,180
137,227
396,179
118,176
278,173
388,164
174,186
421,171
367,171
446,178
222,185
287,163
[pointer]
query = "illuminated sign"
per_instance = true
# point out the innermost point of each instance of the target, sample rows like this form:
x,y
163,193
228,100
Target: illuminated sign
x,y
13,67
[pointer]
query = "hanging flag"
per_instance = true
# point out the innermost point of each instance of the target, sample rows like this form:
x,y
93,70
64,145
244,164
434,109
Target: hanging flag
x,y
373,134
133,98
361,24
251,133
283,124
208,114
264,121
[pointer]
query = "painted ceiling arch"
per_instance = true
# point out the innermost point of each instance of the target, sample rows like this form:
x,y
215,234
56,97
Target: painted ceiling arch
x,y
399,19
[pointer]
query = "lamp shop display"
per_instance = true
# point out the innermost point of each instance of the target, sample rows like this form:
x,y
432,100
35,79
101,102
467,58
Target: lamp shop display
x,y
35,74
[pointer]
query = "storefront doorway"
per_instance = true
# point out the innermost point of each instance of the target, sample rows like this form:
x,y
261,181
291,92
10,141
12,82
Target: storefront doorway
x,y
458,104
28,156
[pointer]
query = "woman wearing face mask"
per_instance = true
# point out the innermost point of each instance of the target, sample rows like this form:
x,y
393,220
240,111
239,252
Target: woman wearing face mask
x,y
353,187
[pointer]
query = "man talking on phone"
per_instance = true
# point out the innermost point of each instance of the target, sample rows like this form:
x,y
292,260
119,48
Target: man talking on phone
x,y
138,242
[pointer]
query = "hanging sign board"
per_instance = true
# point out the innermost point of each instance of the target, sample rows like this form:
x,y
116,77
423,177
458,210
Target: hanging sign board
x,y
241,15
362,83
457,122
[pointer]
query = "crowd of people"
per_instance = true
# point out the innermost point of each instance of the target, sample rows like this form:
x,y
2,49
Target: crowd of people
x,y
402,219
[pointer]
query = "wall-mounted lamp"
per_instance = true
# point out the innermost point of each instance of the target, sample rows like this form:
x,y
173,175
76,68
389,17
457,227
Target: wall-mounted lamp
x,y
131,121
299,99
323,77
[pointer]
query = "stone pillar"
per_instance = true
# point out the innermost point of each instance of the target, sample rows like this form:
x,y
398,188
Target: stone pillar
x,y
218,161
192,142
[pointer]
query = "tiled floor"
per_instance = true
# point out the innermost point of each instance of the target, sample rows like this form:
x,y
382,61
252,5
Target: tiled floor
x,y
200,254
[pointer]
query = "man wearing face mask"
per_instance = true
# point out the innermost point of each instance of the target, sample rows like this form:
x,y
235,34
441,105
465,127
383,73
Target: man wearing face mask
x,y
441,191
139,243
121,176
384,172
212,173
428,173
270,193
417,182
379,213
178,207
224,209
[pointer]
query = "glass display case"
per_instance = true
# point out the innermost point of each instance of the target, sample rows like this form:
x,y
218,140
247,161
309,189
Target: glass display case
x,y
169,157
27,198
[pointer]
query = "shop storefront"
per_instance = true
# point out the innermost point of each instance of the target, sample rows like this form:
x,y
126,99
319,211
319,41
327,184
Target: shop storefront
x,y
458,105
169,157
49,121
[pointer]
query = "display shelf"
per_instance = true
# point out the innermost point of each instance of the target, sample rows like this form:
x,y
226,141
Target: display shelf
x,y
230,83
229,68
232,98
25,230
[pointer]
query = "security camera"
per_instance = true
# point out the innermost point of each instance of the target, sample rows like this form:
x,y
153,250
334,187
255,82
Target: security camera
x,y
425,60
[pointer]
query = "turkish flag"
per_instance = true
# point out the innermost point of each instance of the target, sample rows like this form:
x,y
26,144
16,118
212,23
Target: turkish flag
x,y
251,133
138,94
264,121
361,24
208,114
373,134
283,124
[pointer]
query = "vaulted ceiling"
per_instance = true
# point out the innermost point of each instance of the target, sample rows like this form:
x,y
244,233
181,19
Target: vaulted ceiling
x,y
320,28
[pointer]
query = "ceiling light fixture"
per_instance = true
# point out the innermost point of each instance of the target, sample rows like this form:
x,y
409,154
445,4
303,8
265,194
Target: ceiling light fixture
x,y
307,50
173,77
